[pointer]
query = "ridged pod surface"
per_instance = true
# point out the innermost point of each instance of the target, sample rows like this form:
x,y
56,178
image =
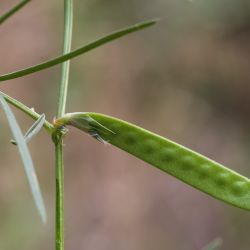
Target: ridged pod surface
x,y
190,167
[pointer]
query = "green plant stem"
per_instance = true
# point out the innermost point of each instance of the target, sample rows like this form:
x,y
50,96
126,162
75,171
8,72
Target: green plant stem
x,y
58,138
68,26
77,52
29,111
13,10
59,194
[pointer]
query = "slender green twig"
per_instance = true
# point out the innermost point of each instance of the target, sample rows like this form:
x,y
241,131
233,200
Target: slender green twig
x,y
29,111
77,52
59,194
58,138
13,10
65,66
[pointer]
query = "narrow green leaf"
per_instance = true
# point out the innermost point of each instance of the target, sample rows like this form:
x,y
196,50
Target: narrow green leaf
x,y
26,158
33,130
78,52
191,167
13,10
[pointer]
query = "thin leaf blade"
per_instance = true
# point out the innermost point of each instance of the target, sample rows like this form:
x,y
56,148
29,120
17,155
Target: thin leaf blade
x,y
33,130
13,10
77,52
26,159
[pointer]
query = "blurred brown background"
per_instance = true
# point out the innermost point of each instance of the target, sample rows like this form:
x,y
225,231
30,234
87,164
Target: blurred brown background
x,y
186,78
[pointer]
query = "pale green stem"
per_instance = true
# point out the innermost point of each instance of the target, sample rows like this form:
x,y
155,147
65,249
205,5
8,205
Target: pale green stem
x,y
68,26
58,138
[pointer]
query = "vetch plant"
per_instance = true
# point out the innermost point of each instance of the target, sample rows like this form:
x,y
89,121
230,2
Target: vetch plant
x,y
192,168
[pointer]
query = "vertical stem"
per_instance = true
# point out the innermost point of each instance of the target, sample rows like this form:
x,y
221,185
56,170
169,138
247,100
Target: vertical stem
x,y
59,195
68,26
58,140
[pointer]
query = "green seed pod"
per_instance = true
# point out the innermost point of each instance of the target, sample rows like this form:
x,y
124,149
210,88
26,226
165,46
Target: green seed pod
x,y
172,158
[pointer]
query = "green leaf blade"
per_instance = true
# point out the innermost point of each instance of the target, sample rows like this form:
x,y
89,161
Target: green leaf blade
x,y
26,159
13,10
33,130
77,52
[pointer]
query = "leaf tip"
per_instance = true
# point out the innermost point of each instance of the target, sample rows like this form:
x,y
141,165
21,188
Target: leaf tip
x,y
43,215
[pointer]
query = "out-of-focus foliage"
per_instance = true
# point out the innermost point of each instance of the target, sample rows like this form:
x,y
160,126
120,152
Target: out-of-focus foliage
x,y
192,67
